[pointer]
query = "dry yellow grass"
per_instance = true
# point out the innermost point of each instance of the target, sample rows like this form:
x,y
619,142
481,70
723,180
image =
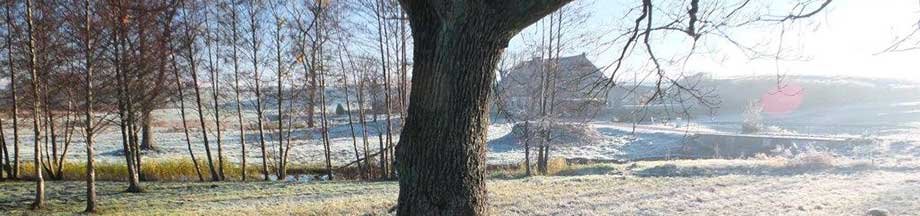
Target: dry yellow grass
x,y
155,170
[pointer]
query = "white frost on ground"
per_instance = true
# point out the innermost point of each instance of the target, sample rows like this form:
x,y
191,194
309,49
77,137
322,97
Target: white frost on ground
x,y
618,141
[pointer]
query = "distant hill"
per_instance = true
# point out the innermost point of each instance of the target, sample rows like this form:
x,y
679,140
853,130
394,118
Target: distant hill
x,y
817,91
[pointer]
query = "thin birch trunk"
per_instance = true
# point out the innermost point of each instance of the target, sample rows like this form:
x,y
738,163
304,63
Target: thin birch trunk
x,y
234,40
255,65
89,127
282,170
124,109
351,124
201,120
14,169
39,202
215,89
188,138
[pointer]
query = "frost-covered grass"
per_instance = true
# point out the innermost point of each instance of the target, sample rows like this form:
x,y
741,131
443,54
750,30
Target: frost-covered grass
x,y
615,141
690,187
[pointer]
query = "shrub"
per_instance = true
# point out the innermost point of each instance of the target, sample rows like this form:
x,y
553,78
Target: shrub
x,y
813,160
339,110
753,121
556,165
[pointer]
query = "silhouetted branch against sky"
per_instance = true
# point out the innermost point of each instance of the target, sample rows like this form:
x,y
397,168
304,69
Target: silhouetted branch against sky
x,y
695,22
908,42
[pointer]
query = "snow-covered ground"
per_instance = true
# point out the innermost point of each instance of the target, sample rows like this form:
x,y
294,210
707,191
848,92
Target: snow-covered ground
x,y
616,142
171,143
898,125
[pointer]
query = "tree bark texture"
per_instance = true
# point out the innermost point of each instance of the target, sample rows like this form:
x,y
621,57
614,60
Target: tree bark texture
x,y
440,157
148,142
89,128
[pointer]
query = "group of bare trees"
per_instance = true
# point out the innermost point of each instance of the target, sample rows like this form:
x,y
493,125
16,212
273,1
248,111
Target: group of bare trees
x,y
536,85
82,68
67,51
56,46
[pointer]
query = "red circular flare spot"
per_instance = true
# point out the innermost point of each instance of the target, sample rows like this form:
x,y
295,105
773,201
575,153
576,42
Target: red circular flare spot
x,y
782,99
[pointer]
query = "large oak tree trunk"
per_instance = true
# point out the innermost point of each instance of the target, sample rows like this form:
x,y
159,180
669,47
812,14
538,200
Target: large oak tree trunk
x,y
440,157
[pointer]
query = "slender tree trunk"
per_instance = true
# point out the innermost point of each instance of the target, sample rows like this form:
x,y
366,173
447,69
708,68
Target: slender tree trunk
x,y
383,155
311,108
89,127
260,125
190,37
546,160
188,138
363,118
50,158
68,135
204,127
39,201
351,123
282,170
319,71
325,121
133,182
4,156
133,136
215,89
383,42
382,46
311,105
541,159
404,82
90,153
255,68
14,169
124,110
234,40
290,129
527,148
553,88
126,113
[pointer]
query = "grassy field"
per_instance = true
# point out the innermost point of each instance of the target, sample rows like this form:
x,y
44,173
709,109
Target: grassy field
x,y
701,187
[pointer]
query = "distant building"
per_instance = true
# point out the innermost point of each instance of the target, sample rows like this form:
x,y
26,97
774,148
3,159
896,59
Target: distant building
x,y
576,87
